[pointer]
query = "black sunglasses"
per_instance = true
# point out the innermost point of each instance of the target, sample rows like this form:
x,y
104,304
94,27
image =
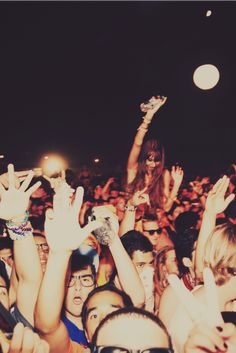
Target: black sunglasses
x,y
153,231
109,349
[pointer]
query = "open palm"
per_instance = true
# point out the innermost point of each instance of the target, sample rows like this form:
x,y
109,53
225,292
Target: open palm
x,y
216,201
15,201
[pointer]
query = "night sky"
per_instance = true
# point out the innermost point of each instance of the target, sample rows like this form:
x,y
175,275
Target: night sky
x,y
74,73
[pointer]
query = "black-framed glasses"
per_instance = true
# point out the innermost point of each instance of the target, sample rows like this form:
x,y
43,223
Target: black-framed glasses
x,y
43,247
110,349
153,231
84,280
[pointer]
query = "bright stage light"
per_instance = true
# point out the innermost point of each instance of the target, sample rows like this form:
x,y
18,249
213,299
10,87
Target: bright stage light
x,y
208,13
53,164
96,160
2,156
206,76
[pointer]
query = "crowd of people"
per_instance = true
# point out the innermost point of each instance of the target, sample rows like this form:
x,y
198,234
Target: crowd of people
x,y
143,263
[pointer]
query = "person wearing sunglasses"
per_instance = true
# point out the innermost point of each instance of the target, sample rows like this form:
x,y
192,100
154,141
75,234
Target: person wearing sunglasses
x,y
131,330
157,236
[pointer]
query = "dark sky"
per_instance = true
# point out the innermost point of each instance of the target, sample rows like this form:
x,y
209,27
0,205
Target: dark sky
x,y
74,73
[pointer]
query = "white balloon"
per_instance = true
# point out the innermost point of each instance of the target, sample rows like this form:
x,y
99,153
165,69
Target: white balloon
x,y
206,76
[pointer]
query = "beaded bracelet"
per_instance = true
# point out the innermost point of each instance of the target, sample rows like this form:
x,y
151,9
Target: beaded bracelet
x,y
19,230
130,208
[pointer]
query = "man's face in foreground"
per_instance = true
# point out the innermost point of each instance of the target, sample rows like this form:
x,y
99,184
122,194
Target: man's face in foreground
x,y
79,286
132,332
99,306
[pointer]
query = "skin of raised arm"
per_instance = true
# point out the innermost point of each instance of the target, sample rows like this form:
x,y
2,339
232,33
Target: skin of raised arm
x,y
105,189
128,276
30,274
128,222
50,302
63,234
177,176
14,203
13,286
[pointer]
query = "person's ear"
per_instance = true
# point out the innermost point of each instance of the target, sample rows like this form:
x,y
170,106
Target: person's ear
x,y
187,262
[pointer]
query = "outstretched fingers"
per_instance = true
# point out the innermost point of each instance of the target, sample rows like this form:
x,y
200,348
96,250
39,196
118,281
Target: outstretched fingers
x,y
78,201
33,188
27,181
11,176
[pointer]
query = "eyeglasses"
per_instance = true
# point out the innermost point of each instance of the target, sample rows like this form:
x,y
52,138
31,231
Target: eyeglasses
x,y
43,247
153,231
85,280
108,349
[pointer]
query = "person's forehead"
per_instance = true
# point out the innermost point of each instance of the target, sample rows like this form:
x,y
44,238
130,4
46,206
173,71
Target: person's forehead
x,y
133,333
5,252
139,256
150,225
105,298
40,240
85,271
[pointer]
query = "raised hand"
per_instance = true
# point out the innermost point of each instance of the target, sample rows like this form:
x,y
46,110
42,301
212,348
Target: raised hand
x,y
177,175
110,225
24,340
216,201
139,198
15,201
153,104
62,228
19,177
203,338
57,182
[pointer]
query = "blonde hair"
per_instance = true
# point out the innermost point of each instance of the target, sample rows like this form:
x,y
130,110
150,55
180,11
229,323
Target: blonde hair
x,y
220,252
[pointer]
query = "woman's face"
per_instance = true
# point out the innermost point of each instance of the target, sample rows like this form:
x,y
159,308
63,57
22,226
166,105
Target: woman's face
x,y
152,163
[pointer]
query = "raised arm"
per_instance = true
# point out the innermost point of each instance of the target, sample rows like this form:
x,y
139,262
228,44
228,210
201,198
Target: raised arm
x,y
127,273
177,175
128,222
106,188
215,203
13,206
64,235
150,108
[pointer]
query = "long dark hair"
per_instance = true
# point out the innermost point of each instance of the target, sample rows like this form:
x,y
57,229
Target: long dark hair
x,y
155,190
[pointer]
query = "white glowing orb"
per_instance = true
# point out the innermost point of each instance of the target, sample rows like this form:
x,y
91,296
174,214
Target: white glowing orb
x,y
208,13
206,76
96,160
53,164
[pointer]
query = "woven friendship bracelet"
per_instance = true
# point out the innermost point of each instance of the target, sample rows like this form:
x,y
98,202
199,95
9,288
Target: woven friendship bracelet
x,y
20,232
21,229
